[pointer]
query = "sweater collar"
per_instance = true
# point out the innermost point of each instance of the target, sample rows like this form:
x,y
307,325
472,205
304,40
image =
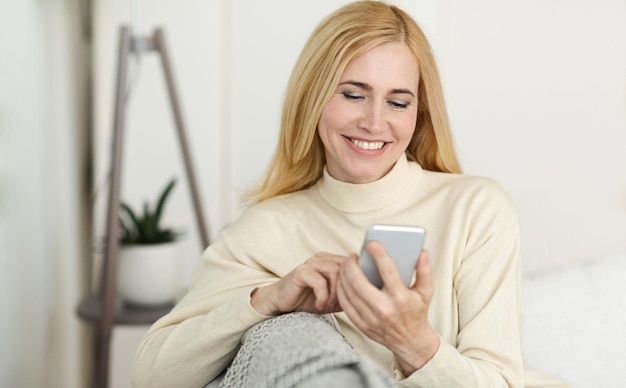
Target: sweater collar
x,y
366,197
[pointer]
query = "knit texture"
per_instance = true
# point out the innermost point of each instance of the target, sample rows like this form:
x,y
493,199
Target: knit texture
x,y
300,349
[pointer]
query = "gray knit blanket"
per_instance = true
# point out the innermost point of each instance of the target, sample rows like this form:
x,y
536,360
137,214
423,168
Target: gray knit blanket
x,y
299,350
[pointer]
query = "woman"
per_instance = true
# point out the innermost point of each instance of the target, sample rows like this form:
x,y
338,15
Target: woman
x,y
364,139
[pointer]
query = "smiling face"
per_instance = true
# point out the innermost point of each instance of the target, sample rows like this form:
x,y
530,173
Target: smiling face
x,y
368,122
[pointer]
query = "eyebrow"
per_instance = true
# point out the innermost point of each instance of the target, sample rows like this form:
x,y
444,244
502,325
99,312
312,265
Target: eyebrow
x,y
368,87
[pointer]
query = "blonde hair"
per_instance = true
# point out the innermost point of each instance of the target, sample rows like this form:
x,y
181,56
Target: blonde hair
x,y
350,31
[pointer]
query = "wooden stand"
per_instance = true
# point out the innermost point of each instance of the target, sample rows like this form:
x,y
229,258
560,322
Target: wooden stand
x,y
101,309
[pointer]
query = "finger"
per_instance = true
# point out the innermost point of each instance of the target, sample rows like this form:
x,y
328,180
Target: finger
x,y
347,303
306,280
423,276
331,279
355,276
327,257
320,291
357,292
386,267
329,268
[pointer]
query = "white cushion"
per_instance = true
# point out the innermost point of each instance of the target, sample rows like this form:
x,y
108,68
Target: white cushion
x,y
575,322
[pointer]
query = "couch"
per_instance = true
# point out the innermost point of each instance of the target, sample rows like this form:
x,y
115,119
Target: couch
x,y
575,322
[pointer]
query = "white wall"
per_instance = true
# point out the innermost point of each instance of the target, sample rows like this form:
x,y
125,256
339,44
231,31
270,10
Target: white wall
x,y
536,93
537,96
44,105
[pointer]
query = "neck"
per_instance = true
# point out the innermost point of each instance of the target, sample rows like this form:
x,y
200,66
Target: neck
x,y
365,197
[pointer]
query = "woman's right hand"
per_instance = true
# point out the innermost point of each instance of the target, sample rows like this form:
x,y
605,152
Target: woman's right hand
x,y
310,287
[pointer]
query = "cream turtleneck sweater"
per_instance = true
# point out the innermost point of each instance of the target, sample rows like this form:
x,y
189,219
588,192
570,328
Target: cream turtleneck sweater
x,y
473,242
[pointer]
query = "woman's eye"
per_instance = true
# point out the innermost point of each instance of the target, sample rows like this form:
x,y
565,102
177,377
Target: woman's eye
x,y
352,97
398,104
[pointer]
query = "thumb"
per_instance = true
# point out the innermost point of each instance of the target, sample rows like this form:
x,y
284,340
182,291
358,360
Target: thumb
x,y
423,276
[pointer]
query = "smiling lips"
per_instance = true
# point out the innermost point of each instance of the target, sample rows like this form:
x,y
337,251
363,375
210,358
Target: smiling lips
x,y
367,145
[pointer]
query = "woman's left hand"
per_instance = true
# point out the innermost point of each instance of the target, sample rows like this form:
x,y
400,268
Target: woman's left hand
x,y
395,316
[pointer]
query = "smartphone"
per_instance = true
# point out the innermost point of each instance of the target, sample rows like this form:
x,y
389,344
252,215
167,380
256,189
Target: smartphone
x,y
403,245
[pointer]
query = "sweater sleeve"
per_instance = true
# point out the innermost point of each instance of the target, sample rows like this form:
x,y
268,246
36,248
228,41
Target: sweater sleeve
x,y
194,342
487,287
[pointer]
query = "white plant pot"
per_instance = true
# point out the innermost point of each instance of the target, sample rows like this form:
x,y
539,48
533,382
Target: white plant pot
x,y
149,275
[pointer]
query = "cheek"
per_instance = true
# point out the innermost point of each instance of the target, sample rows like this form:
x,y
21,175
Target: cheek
x,y
330,120
322,128
338,113
406,128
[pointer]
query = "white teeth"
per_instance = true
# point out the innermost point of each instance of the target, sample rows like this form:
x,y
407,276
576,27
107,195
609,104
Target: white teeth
x,y
366,145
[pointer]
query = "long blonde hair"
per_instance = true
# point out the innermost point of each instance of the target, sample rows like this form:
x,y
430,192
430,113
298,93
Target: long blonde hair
x,y
350,31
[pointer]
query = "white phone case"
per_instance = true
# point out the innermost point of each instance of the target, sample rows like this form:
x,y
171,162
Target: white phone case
x,y
402,243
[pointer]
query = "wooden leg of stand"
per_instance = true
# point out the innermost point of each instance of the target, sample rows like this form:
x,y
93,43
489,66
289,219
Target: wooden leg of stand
x,y
95,359
101,359
109,268
169,77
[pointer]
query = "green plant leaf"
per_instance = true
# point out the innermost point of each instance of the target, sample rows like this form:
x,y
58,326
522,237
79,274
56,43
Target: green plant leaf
x,y
161,202
126,232
145,229
131,215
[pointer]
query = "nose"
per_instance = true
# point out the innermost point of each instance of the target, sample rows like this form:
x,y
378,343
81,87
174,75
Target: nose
x,y
372,118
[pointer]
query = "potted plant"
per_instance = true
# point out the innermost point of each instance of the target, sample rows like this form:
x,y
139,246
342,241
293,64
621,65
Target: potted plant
x,y
149,268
